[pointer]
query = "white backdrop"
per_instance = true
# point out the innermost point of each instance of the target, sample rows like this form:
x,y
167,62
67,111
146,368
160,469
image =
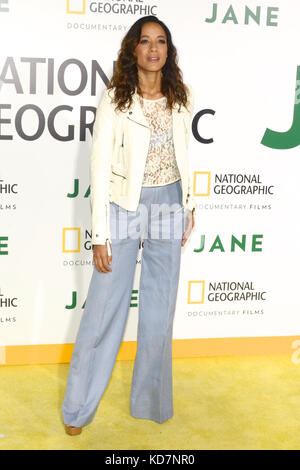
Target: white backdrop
x,y
244,77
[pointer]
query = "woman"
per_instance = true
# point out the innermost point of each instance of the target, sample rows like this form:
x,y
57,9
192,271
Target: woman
x,y
139,171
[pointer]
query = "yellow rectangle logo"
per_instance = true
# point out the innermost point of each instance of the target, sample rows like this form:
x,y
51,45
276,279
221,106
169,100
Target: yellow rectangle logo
x,y
196,292
71,240
202,183
76,7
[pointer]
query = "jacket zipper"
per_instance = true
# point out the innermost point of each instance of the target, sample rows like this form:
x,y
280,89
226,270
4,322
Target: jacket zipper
x,y
118,174
147,127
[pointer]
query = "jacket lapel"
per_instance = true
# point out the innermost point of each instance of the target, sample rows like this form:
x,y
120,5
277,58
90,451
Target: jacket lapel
x,y
135,112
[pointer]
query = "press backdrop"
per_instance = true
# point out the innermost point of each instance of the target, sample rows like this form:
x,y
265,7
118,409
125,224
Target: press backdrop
x,y
239,282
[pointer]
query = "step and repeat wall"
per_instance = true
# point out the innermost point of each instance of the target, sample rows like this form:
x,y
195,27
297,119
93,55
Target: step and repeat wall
x,y
239,280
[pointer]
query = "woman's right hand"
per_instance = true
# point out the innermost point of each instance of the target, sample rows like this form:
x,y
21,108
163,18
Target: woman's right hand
x,y
101,258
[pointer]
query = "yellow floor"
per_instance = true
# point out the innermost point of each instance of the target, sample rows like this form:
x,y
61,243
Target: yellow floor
x,y
232,402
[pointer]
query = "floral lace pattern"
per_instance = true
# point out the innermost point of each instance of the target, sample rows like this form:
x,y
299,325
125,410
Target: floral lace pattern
x,y
161,166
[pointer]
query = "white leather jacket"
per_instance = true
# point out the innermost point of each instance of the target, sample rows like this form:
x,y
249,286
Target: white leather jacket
x,y
118,156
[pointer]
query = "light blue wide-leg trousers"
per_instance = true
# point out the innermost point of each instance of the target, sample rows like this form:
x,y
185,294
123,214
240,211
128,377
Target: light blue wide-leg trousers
x,y
159,221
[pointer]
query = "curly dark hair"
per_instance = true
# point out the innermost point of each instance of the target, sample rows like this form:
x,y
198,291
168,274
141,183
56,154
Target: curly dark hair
x,y
125,75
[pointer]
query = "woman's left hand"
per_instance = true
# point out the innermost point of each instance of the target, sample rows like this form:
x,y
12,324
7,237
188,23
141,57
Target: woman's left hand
x,y
189,227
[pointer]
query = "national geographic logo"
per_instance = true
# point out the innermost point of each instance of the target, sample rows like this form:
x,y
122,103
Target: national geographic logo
x,y
232,185
200,291
117,7
72,240
76,241
74,303
76,7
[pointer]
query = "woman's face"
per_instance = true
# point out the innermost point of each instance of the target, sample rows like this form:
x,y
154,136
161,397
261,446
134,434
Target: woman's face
x,y
151,51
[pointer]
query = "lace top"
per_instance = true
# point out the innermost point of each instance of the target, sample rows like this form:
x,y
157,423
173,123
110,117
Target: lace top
x,y
161,166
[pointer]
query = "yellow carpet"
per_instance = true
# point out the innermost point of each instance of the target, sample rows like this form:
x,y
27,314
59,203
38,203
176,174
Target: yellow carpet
x,y
232,402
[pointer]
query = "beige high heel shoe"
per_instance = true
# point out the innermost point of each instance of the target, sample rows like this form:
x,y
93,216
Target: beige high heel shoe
x,y
72,430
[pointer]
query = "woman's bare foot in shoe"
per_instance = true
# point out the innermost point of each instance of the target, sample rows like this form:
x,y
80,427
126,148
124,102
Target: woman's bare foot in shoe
x,y
72,430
